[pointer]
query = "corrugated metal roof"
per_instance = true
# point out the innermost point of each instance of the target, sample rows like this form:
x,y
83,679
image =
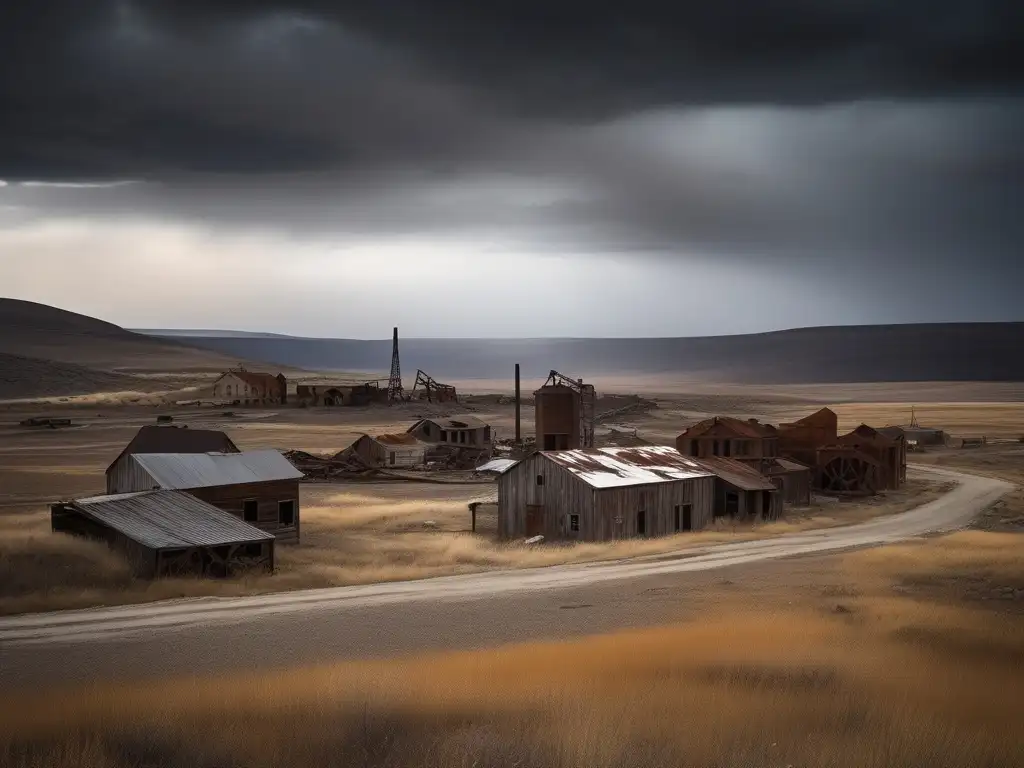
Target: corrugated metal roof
x,y
618,467
169,520
182,471
497,465
788,465
737,473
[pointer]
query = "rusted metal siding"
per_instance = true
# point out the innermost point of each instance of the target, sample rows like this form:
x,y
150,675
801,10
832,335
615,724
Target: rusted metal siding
x,y
557,412
562,494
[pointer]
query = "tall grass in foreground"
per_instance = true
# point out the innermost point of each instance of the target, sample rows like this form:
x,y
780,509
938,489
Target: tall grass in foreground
x,y
886,681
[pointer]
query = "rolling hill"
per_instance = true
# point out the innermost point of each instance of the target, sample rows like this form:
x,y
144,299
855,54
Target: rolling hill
x,y
894,353
45,351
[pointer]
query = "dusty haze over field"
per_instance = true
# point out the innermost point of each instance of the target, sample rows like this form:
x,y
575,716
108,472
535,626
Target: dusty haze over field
x,y
502,169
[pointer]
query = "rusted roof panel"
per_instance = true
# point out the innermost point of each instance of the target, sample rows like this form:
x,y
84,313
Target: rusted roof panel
x,y
619,467
737,473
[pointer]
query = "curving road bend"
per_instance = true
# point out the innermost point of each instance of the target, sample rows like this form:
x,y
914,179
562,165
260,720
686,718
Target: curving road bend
x,y
208,635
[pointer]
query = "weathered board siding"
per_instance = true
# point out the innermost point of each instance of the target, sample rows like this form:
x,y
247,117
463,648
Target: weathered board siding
x,y
794,486
748,503
128,476
230,498
563,493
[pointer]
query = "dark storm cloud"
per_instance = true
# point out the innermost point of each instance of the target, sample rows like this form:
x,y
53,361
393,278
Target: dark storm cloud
x,y
151,88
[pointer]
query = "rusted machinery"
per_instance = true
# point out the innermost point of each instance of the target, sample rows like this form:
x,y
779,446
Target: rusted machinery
x,y
429,389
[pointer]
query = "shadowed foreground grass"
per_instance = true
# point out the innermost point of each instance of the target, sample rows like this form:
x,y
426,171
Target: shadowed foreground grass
x,y
882,678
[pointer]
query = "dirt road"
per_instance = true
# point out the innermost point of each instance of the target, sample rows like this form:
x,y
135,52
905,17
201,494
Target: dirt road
x,y
212,635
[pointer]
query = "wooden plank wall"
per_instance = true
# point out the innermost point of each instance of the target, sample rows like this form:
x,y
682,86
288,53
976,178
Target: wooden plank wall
x,y
230,498
563,493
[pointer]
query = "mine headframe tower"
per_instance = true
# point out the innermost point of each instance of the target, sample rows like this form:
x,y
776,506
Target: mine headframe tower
x,y
395,392
426,387
587,396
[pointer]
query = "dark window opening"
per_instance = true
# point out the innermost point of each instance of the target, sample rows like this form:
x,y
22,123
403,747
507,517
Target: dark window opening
x,y
687,517
286,512
766,504
574,523
641,523
732,504
727,448
549,442
252,550
250,510
695,448
444,436
678,519
540,479
391,457
714,448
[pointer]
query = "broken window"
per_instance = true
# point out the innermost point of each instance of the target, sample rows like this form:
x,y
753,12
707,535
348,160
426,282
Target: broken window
x,y
286,513
250,510
574,523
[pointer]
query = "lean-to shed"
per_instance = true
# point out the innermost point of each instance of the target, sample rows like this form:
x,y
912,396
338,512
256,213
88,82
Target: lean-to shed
x,y
167,533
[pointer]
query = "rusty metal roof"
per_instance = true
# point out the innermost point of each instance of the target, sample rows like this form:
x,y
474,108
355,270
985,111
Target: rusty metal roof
x,y
619,467
168,520
736,473
183,471
751,428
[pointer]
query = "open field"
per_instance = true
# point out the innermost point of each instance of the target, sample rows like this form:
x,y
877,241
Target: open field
x,y
361,532
887,657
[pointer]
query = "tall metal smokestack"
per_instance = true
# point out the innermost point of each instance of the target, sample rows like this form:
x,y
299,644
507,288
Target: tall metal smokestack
x,y
519,434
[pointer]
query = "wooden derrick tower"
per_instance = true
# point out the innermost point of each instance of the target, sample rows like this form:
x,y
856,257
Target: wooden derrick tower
x,y
395,381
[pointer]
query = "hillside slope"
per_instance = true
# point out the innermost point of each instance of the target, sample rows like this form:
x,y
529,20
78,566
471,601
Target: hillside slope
x,y
933,352
42,332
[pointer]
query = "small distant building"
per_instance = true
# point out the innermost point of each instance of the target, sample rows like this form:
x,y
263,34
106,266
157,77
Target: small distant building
x,y
335,395
793,479
164,439
389,451
722,436
742,491
167,533
259,487
605,493
890,453
251,388
464,431
800,440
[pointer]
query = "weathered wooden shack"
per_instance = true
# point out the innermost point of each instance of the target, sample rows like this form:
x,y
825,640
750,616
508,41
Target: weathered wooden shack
x,y
723,436
792,478
389,451
742,491
259,487
251,387
889,452
164,439
463,431
167,533
800,440
604,493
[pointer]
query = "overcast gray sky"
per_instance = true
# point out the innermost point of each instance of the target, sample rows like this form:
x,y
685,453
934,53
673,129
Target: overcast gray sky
x,y
513,168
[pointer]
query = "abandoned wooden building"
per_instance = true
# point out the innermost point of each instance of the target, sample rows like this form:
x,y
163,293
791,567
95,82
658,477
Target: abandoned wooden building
x,y
604,493
742,491
388,451
745,440
792,478
260,487
333,395
164,439
800,440
889,452
564,417
167,533
464,430
251,388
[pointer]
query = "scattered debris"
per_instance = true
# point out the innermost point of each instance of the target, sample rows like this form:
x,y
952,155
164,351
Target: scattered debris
x,y
534,540
43,421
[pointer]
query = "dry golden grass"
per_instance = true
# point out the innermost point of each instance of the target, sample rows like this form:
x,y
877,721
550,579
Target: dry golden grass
x,y
360,537
883,679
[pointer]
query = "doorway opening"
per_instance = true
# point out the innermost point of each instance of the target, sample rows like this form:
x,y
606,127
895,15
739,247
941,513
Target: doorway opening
x,y
641,523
